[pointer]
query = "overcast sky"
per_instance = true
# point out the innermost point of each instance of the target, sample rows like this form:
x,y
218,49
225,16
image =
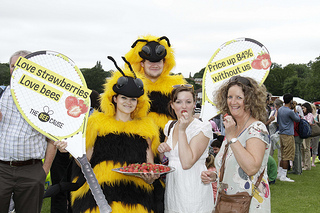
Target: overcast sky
x,y
88,31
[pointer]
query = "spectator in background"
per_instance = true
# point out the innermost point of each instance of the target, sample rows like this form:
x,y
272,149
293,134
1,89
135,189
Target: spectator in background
x,y
318,108
297,168
268,103
215,128
95,101
216,144
274,126
210,166
286,116
306,155
314,143
218,119
272,170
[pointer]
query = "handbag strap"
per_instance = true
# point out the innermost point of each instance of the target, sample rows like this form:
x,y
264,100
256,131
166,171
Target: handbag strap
x,y
170,126
223,167
223,163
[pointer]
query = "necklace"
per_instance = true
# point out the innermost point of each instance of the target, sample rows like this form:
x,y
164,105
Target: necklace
x,y
243,126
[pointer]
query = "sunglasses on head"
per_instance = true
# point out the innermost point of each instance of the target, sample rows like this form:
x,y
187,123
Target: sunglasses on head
x,y
183,85
241,80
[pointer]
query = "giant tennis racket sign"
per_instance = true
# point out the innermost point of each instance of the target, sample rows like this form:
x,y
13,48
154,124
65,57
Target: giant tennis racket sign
x,y
242,56
52,96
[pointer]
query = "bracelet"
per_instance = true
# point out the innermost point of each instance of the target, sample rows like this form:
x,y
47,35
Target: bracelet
x,y
216,177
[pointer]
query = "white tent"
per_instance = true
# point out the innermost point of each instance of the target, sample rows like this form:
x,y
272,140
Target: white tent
x,y
297,99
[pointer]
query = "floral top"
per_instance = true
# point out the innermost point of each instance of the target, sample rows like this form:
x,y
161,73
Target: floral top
x,y
237,180
309,117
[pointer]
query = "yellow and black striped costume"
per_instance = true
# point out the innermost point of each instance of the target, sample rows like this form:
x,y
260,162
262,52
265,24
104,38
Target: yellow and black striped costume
x,y
116,144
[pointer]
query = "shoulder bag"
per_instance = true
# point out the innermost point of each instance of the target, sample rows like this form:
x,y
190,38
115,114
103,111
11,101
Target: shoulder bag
x,y
237,203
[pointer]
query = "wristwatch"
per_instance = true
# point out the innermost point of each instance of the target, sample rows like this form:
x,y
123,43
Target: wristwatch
x,y
233,140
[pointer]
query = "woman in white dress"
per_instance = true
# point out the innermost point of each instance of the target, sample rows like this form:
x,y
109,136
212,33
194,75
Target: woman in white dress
x,y
186,146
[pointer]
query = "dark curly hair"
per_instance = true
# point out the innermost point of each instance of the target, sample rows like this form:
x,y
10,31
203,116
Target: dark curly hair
x,y
254,96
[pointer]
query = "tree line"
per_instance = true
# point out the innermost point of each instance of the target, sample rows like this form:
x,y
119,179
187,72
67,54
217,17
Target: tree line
x,y
301,80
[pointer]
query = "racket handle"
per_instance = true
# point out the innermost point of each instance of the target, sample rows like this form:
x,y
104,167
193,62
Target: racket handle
x,y
94,185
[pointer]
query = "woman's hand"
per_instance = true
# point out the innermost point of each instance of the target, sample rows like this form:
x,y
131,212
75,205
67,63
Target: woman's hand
x,y
61,145
163,147
184,120
149,177
230,127
208,176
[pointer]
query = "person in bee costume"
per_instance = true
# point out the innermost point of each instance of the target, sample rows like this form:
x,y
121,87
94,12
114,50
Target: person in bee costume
x,y
119,135
153,57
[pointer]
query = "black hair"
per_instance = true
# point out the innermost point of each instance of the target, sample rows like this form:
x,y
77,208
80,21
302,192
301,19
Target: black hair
x,y
287,98
308,107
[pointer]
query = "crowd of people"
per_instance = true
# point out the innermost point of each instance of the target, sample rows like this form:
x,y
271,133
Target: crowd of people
x,y
146,115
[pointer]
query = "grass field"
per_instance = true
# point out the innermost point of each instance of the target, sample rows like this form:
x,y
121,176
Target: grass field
x,y
301,196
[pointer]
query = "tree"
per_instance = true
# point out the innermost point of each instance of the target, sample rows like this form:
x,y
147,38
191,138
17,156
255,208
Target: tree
x,y
312,86
95,77
199,74
275,79
290,79
4,74
291,85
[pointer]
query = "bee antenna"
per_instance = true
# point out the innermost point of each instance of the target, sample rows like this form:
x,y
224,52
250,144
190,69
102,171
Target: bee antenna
x,y
115,64
127,62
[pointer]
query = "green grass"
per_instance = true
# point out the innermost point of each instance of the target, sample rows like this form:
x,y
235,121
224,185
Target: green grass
x,y
46,205
301,196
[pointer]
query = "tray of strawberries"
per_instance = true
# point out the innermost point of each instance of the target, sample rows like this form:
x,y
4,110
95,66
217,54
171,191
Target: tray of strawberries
x,y
137,169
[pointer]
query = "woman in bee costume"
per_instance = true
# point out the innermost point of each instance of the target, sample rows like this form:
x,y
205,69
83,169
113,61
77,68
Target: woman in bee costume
x,y
153,57
119,135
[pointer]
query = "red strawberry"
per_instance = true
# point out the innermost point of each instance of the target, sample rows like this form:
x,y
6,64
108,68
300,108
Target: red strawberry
x,y
265,56
182,111
84,108
225,115
265,63
74,111
256,64
71,101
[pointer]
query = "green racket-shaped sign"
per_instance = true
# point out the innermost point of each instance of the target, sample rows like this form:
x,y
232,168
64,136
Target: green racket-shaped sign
x,y
242,56
52,96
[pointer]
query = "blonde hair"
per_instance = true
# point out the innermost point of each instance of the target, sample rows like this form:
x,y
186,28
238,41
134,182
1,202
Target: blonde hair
x,y
210,161
254,97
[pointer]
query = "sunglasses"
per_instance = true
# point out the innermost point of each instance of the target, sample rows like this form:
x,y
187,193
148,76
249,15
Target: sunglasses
x,y
160,50
241,80
123,80
183,85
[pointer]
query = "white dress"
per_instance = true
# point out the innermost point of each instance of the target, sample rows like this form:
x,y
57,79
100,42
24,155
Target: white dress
x,y
185,191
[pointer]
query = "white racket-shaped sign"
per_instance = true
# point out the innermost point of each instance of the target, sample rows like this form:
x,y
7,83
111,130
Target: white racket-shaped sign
x,y
52,96
242,56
